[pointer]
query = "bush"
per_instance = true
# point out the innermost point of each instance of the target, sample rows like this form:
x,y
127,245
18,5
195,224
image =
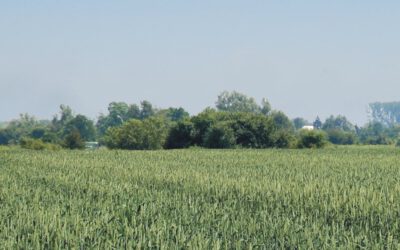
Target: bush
x,y
312,139
378,140
284,139
341,137
202,123
74,140
252,130
37,144
38,133
148,134
180,135
220,135
5,136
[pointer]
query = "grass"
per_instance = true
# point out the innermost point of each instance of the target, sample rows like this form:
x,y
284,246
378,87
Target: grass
x,y
344,197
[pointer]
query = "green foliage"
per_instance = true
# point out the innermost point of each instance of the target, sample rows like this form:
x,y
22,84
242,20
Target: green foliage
x,y
317,123
333,198
387,113
73,140
265,107
250,130
177,114
147,110
253,131
284,139
148,134
5,136
236,102
374,133
202,122
120,112
180,135
281,121
338,123
37,144
83,125
18,128
337,136
57,124
312,139
299,123
38,133
220,135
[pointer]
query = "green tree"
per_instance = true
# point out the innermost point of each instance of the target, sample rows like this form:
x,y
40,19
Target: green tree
x,y
133,112
317,123
253,130
57,124
338,136
299,122
236,102
118,113
177,114
202,122
374,133
18,128
73,140
147,109
135,134
339,123
5,136
312,139
180,135
220,135
265,107
281,121
387,113
83,125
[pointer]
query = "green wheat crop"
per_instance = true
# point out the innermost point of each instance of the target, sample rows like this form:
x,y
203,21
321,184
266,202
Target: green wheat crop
x,y
345,197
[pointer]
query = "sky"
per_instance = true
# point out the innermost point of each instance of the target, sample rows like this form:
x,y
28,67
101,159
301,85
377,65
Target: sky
x,y
308,58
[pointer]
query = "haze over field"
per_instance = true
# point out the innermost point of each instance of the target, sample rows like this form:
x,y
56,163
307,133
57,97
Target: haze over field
x,y
308,59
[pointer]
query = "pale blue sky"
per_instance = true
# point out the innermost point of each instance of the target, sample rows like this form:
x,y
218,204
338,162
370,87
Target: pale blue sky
x,y
308,58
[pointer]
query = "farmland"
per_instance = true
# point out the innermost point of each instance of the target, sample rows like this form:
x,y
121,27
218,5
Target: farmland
x,y
338,197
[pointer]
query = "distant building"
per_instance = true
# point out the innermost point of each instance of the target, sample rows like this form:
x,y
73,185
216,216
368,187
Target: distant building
x,y
92,145
308,127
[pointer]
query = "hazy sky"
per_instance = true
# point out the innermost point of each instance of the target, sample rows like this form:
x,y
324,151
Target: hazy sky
x,y
308,58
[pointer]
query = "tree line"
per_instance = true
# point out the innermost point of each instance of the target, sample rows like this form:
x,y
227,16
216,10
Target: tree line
x,y
236,121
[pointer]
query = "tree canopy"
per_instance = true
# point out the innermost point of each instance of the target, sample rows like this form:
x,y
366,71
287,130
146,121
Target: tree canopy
x,y
387,113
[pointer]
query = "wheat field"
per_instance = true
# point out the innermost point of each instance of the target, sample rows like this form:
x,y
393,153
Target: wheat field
x,y
339,197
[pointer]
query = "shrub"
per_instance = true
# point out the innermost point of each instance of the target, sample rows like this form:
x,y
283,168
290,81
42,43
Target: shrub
x,y
134,134
252,130
180,135
37,144
337,136
284,139
312,139
220,135
5,136
74,140
378,140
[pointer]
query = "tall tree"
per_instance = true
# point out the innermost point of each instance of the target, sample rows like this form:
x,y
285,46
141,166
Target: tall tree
x,y
83,126
147,109
299,122
317,123
236,102
265,106
387,113
339,122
